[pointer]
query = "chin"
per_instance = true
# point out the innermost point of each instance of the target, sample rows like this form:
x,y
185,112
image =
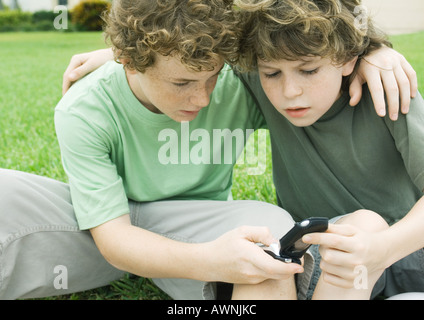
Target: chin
x,y
184,119
301,122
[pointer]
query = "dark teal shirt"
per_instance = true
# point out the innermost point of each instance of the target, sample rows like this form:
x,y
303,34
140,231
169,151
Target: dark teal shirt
x,y
348,160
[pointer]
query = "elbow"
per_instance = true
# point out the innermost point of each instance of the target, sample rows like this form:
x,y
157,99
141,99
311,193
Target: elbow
x,y
109,255
107,240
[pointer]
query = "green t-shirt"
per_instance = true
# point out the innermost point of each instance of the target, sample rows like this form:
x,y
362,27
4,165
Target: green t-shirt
x,y
349,159
114,149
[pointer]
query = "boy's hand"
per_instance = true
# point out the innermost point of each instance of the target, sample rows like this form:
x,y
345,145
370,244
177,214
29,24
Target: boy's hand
x,y
345,247
239,260
82,64
386,72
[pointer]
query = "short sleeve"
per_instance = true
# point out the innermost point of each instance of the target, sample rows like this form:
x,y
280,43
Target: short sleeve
x,y
408,133
97,191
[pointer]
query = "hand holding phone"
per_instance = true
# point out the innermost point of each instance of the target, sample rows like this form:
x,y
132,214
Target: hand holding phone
x,y
292,248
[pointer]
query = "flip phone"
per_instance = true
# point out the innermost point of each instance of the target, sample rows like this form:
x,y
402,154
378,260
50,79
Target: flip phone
x,y
292,248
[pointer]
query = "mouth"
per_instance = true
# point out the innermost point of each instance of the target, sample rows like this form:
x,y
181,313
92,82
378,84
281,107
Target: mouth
x,y
296,112
189,112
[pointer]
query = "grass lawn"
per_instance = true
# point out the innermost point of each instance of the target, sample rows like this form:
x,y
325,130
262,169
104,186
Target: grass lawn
x,y
31,68
412,47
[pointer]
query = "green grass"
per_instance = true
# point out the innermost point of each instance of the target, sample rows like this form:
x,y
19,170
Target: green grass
x,y
31,69
412,47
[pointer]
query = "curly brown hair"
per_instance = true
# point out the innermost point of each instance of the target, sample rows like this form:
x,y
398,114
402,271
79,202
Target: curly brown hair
x,y
291,29
199,32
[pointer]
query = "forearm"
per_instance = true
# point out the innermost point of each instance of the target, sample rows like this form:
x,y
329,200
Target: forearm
x,y
406,236
147,254
233,257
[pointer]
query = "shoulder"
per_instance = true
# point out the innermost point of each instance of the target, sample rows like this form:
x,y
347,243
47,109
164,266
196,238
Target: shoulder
x,y
231,90
98,85
227,82
93,95
88,107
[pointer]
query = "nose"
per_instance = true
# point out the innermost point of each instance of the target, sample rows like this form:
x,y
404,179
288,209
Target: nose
x,y
201,97
291,89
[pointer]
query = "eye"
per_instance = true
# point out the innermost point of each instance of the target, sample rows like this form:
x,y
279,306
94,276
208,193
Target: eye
x,y
182,84
272,75
309,72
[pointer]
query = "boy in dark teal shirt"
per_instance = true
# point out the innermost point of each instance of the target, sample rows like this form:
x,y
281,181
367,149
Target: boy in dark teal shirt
x,y
330,160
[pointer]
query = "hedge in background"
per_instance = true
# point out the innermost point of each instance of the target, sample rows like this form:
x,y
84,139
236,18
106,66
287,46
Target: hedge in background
x,y
87,14
11,20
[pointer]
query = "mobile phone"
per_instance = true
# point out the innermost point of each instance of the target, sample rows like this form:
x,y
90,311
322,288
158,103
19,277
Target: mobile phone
x,y
292,248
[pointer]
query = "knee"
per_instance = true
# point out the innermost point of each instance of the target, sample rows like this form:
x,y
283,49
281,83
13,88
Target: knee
x,y
367,220
8,185
278,220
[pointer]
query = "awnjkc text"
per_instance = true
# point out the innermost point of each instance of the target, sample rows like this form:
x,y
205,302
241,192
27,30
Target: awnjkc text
x,y
216,309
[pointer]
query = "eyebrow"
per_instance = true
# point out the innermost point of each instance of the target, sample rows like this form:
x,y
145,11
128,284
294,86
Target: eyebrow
x,y
304,63
191,80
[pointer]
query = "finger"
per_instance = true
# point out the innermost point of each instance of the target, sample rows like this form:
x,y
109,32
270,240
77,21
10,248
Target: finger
x,y
338,270
66,84
355,91
346,230
80,72
69,77
337,281
329,240
411,75
391,89
260,235
334,257
76,74
68,80
336,237
404,89
270,268
342,229
277,269
373,78
76,61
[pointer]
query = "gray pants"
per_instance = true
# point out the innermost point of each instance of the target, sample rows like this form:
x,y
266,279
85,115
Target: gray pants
x,y
43,252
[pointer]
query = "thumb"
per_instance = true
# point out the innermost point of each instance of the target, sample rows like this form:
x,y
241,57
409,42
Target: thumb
x,y
258,235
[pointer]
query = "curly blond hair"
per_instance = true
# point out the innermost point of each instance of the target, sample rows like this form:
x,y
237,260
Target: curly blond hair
x,y
291,29
198,32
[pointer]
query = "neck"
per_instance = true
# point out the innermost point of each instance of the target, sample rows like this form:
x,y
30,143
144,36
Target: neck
x,y
136,88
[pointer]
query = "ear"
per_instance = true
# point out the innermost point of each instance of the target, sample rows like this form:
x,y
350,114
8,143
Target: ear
x,y
348,67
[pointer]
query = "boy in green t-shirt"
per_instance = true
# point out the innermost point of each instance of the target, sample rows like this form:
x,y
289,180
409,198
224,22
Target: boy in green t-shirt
x,y
331,160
